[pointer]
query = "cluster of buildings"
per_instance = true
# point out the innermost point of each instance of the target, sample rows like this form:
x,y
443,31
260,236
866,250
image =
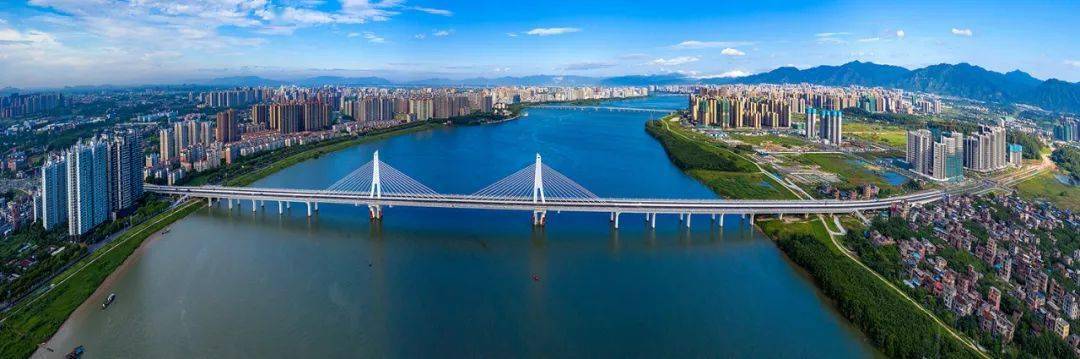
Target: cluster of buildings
x,y
776,107
1067,130
1008,246
16,105
91,182
943,156
757,106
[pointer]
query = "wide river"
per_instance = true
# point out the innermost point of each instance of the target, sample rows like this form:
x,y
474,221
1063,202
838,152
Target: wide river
x,y
454,283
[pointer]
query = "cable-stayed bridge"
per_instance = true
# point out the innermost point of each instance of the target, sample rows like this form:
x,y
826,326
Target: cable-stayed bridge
x,y
537,188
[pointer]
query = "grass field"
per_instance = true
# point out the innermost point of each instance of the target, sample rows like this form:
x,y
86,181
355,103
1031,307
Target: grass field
x,y
889,135
724,170
760,140
846,167
1046,187
742,185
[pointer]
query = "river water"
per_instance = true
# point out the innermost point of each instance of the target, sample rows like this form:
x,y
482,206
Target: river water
x,y
452,283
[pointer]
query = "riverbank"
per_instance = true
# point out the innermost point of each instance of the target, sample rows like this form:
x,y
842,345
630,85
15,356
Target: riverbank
x,y
722,169
895,325
38,319
35,320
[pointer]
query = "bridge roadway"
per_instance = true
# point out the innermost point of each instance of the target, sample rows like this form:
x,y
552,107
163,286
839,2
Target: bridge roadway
x,y
605,108
615,206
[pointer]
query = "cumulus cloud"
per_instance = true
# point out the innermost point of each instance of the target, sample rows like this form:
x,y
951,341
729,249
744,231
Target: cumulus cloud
x,y
511,34
549,31
962,32
583,66
441,33
731,52
695,44
1073,63
419,36
900,34
674,61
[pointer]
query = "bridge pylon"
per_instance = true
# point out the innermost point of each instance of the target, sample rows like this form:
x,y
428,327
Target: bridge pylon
x,y
376,187
539,215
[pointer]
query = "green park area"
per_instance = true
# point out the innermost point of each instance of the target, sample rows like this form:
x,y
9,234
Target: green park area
x,y
852,172
1047,187
885,134
723,169
766,139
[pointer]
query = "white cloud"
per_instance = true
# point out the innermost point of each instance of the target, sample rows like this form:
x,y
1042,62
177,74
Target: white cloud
x,y
511,34
695,44
900,34
372,37
442,33
831,34
731,52
434,11
501,69
674,61
419,36
353,34
1073,63
732,73
962,32
870,39
548,31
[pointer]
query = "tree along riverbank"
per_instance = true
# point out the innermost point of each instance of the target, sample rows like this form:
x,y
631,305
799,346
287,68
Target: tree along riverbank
x,y
719,167
36,319
895,325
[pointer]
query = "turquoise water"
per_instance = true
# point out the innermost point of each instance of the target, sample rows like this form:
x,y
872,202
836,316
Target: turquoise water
x,y
453,283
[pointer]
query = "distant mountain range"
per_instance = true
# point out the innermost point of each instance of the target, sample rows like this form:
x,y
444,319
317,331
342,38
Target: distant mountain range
x,y
961,80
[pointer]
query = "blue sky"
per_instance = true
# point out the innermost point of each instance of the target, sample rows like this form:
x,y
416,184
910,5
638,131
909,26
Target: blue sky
x,y
79,42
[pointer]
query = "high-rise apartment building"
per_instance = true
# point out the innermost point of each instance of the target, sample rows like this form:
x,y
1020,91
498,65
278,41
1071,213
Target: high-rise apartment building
x,y
227,130
167,146
53,193
125,172
286,118
88,186
940,160
260,114
812,120
831,127
985,150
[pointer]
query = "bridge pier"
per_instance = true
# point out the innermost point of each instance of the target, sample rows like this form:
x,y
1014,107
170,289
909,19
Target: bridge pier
x,y
539,218
615,218
688,220
721,220
280,208
209,202
680,217
254,207
230,203
316,206
375,212
308,209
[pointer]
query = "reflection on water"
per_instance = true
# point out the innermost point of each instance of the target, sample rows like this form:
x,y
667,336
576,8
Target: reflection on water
x,y
453,283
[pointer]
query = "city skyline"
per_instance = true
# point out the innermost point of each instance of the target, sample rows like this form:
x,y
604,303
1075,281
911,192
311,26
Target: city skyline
x,y
52,43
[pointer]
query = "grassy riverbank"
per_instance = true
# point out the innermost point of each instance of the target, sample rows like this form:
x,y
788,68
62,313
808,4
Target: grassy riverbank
x,y
722,169
35,320
895,325
1046,187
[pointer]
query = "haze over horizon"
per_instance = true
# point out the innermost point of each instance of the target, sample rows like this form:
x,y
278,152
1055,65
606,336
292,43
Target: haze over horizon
x,y
54,43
